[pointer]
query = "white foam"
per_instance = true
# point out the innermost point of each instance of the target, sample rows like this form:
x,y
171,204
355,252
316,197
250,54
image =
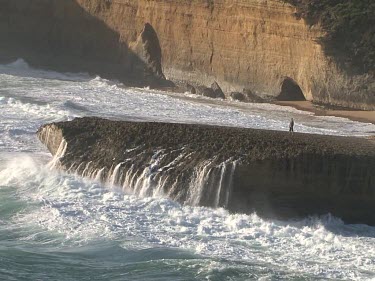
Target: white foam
x,y
82,210
21,68
40,99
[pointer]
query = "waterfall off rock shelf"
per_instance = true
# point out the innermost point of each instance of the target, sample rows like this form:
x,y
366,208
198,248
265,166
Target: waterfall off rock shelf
x,y
244,170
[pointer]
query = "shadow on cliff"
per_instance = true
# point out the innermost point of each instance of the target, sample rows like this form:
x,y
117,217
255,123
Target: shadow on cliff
x,y
62,36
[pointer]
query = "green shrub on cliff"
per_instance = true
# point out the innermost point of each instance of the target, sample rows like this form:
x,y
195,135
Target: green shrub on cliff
x,y
350,26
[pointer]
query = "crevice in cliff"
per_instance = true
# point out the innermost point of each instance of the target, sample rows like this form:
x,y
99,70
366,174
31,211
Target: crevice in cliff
x,y
290,91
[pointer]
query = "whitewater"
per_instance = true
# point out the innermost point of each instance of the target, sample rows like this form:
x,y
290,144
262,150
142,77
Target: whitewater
x,y
58,226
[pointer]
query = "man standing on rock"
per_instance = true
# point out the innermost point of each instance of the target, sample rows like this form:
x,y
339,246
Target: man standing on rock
x,y
291,126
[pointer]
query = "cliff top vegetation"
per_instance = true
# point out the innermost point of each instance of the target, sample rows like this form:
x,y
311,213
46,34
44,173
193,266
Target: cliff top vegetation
x,y
350,27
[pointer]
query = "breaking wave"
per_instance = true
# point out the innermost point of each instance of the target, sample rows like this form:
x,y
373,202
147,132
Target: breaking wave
x,y
82,211
60,226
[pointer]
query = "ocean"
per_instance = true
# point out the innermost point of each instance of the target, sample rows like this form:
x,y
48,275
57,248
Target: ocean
x,y
59,226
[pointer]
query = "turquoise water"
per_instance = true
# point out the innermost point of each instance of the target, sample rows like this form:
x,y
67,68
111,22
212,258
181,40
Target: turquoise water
x,y
55,226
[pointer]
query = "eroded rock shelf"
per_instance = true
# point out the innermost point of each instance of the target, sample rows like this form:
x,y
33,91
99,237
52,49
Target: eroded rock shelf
x,y
273,173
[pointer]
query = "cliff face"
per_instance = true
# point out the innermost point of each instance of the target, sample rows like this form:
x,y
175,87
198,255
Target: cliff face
x,y
245,170
49,31
254,44
63,35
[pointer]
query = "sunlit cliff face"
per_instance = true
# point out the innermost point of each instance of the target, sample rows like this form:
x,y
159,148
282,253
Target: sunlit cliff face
x,y
240,44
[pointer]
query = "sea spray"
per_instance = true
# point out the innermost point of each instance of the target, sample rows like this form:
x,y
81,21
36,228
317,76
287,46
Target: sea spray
x,y
86,171
51,221
225,183
85,213
55,162
156,177
115,175
199,180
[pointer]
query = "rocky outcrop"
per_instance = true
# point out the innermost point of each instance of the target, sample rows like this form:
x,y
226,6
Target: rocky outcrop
x,y
147,48
237,96
246,96
214,92
217,90
273,173
205,92
251,97
240,44
190,88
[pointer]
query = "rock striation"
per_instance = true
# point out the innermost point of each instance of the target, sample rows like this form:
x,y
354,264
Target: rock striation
x,y
273,173
254,44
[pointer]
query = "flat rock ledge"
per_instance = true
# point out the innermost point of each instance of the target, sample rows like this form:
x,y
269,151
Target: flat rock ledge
x,y
273,173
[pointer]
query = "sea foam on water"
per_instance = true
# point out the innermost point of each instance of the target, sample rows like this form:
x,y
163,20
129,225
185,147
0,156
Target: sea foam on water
x,y
66,221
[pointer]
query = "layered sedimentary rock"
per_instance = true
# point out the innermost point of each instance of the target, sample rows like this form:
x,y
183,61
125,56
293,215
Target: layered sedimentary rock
x,y
252,44
273,173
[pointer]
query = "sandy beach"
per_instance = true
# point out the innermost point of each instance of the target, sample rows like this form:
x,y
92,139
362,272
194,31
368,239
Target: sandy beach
x,y
355,115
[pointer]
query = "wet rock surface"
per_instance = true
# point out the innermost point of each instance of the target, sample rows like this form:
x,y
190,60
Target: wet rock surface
x,y
273,173
246,96
217,90
214,92
237,96
189,88
251,97
206,92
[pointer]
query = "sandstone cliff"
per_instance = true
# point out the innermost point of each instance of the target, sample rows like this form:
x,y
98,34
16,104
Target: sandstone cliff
x,y
255,44
245,170
62,35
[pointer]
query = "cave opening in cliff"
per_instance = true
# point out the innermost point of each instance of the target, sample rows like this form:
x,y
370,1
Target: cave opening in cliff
x,y
290,91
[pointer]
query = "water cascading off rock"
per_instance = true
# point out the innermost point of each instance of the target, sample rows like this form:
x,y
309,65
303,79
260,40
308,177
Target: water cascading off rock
x,y
244,170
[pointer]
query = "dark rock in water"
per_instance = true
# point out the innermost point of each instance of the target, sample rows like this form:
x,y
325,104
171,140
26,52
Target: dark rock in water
x,y
205,91
213,92
190,89
251,97
246,96
237,96
244,170
217,90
